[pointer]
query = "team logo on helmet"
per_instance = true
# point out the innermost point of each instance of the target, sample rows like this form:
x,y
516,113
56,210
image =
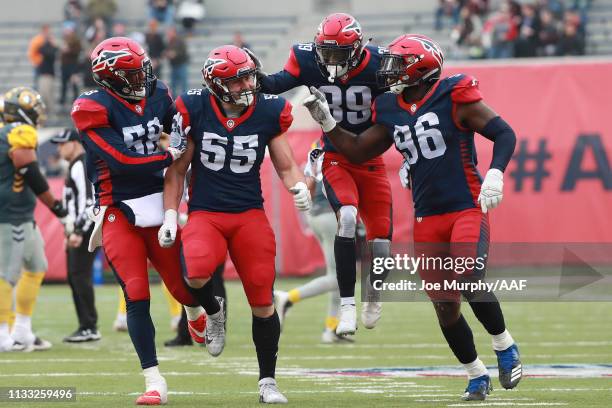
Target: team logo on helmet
x,y
211,63
432,48
354,26
108,58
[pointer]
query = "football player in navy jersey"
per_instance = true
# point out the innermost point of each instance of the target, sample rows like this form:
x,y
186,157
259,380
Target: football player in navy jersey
x,y
230,124
120,124
343,68
432,123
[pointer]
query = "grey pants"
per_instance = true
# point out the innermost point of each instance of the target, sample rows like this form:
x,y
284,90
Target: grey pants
x,y
21,246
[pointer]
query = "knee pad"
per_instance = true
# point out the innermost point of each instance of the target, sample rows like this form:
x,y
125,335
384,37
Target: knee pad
x,y
347,221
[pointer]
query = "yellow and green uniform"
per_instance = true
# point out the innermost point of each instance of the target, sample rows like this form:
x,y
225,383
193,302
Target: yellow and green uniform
x,y
17,201
21,243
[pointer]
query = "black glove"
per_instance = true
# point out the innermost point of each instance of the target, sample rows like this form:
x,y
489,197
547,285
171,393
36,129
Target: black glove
x,y
58,209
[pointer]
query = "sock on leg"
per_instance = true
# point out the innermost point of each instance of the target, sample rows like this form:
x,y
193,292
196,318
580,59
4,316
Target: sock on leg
x,y
346,265
206,297
461,341
266,332
502,341
475,369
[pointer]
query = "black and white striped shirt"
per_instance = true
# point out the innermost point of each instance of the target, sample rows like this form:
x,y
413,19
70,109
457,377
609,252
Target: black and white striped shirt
x,y
78,195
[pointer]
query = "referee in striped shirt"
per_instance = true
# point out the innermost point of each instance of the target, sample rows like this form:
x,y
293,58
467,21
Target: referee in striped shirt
x,y
78,195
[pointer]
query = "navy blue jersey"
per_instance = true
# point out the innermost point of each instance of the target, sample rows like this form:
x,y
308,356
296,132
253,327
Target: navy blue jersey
x,y
122,142
349,97
440,151
229,151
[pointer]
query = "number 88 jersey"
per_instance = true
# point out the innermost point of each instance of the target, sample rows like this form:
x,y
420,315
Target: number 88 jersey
x,y
440,151
225,169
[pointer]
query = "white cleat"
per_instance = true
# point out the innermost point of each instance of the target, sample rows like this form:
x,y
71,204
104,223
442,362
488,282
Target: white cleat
x,y
282,304
215,330
370,314
329,336
120,323
348,320
269,392
24,339
6,344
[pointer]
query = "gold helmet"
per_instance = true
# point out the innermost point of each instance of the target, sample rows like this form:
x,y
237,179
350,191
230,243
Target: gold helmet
x,y
23,104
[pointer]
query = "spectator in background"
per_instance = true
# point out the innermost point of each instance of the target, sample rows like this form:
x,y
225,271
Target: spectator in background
x,y
155,45
77,196
571,42
118,30
178,57
162,11
189,12
468,33
239,41
447,8
34,54
94,35
527,41
96,32
43,50
70,58
549,33
73,10
500,31
103,9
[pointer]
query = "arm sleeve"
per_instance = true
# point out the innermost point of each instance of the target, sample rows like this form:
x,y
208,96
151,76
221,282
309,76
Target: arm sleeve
x,y
84,196
283,80
504,141
109,145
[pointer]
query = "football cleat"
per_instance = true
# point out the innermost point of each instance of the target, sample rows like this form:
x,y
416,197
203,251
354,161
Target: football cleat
x,y
150,398
269,392
215,330
24,339
83,335
282,304
478,388
510,367
120,323
179,341
348,320
197,328
42,344
330,337
6,344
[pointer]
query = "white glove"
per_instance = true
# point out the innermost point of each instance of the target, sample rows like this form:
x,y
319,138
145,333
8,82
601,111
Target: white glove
x,y
491,192
167,232
319,109
68,223
404,174
301,196
178,137
314,166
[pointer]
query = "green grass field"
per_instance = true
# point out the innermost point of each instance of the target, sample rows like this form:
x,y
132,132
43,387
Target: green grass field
x,y
107,374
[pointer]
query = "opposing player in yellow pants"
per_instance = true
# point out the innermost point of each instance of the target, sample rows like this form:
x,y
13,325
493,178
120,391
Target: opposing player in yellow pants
x,y
21,244
174,307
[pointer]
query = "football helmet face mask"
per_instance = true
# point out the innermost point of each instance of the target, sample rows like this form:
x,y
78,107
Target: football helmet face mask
x,y
23,104
338,44
412,59
121,65
230,74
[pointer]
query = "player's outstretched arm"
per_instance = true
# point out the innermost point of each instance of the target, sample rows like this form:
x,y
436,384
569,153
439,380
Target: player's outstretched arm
x,y
373,142
174,181
26,163
289,172
481,118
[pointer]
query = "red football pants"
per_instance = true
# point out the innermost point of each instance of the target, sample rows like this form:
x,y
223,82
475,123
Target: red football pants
x,y
459,234
209,235
127,248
